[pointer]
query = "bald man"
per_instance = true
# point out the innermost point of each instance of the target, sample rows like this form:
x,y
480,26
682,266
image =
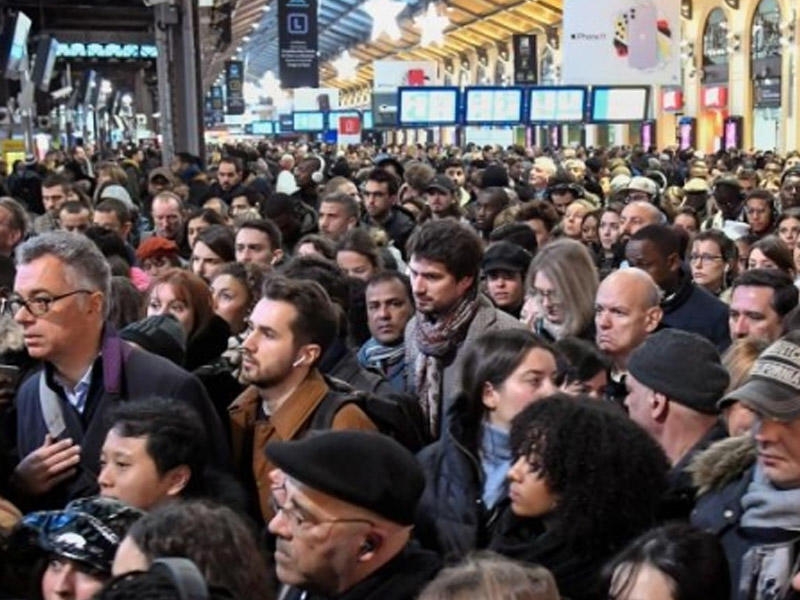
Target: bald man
x,y
627,309
638,214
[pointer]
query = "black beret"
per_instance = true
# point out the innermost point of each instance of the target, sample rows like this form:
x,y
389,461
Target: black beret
x,y
367,469
683,366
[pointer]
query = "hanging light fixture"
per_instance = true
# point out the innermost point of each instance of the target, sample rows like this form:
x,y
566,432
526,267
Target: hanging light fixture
x,y
432,26
345,66
384,15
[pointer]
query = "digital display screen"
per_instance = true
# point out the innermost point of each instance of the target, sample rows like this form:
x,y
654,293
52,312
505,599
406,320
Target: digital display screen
x,y
619,104
19,45
368,123
308,121
263,128
428,106
557,105
501,106
334,115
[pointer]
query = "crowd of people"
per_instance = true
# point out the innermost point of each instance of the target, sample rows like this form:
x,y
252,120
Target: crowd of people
x,y
301,372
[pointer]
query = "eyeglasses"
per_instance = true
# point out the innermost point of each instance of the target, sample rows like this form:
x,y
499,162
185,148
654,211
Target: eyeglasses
x,y
38,306
550,295
701,258
299,522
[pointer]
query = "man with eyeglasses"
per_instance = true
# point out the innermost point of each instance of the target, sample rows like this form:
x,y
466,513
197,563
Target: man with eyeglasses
x,y
380,202
60,300
345,532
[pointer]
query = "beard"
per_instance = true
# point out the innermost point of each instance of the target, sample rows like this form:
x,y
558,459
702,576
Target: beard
x,y
267,377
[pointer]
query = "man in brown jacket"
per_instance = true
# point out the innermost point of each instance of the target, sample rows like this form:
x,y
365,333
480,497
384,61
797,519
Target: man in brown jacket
x,y
291,326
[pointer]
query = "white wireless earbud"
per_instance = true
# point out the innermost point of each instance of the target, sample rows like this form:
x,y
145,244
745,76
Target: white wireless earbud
x,y
298,362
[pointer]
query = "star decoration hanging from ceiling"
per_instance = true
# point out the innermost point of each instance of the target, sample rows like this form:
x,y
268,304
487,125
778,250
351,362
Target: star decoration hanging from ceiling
x,y
384,15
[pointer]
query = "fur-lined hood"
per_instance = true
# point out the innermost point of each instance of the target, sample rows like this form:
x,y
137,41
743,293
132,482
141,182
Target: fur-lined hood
x,y
722,462
11,337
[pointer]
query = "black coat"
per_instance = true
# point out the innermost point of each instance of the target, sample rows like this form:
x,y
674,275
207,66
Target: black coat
x,y
452,518
527,540
402,578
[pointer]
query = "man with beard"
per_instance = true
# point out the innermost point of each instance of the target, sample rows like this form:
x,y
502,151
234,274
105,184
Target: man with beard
x,y
290,329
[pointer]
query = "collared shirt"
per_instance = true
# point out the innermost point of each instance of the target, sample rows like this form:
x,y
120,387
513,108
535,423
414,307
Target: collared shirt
x,y
77,395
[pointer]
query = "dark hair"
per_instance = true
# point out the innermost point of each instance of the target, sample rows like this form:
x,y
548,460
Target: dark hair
x,y
516,233
250,275
538,210
220,241
389,275
118,207
726,245
73,207
691,213
663,237
349,203
608,473
693,561
316,321
57,180
125,303
492,358
214,537
151,584
774,249
174,431
584,360
19,218
207,215
785,294
496,195
321,244
381,175
325,272
232,160
268,228
360,241
449,242
109,243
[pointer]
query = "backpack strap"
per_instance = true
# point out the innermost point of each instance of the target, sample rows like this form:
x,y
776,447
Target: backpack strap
x,y
327,410
50,405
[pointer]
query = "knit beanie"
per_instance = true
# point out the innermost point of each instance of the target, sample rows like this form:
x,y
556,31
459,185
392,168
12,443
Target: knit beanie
x,y
159,334
683,366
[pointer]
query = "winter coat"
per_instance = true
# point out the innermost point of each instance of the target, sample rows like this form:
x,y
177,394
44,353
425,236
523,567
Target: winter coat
x,y
452,518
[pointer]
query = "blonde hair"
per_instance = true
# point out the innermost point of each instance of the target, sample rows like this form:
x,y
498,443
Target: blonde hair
x,y
739,358
570,268
486,575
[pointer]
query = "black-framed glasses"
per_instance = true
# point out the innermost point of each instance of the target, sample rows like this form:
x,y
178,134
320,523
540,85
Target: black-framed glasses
x,y
298,520
38,306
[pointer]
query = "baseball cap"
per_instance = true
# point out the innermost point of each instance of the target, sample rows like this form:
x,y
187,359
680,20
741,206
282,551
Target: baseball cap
x,y
773,387
506,256
696,185
441,182
642,184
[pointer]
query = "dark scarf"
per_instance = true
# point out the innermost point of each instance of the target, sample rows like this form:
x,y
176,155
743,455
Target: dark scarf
x,y
436,340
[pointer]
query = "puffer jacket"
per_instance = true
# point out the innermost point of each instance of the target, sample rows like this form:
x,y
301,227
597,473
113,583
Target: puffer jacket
x,y
452,518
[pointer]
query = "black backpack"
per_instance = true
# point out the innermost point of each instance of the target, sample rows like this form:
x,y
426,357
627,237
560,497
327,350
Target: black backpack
x,y
397,415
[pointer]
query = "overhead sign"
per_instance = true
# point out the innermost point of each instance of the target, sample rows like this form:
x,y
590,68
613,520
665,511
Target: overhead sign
x,y
392,74
525,64
619,42
297,43
234,87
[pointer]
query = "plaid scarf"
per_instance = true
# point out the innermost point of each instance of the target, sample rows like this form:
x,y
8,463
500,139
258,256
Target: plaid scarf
x,y
436,340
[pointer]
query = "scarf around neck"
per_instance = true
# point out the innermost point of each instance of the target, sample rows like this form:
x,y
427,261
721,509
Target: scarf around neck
x,y
767,507
436,340
381,356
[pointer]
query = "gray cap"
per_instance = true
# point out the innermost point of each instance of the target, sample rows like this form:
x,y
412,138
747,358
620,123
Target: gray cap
x,y
773,387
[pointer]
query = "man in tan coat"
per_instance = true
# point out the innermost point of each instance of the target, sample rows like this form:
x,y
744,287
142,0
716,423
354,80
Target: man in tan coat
x,y
291,326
